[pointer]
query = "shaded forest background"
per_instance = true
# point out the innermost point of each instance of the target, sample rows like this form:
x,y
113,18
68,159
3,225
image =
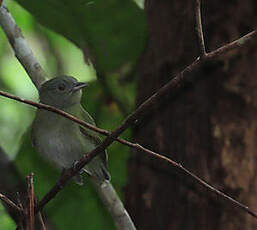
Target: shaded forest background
x,y
210,127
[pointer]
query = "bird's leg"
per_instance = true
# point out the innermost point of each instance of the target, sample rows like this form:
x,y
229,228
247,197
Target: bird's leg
x,y
59,180
78,177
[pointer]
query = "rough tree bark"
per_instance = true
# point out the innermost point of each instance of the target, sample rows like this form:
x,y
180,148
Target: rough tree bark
x,y
210,127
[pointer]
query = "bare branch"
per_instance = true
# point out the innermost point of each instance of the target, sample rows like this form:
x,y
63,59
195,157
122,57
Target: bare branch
x,y
30,214
199,28
41,221
21,49
86,158
241,42
10,203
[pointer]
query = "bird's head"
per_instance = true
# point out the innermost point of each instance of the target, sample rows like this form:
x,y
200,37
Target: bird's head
x,y
61,92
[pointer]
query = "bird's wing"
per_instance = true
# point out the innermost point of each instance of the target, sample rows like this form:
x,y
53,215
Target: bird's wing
x,y
33,129
90,134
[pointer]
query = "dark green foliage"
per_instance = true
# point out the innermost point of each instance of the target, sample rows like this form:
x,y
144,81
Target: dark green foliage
x,y
112,30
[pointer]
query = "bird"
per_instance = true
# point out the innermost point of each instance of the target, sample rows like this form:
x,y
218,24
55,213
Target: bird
x,y
62,141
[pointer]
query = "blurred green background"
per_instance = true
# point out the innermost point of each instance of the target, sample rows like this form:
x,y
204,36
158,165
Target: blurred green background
x,y
113,34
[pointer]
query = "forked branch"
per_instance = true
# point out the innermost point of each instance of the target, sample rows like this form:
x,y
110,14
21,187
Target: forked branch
x,y
199,28
10,203
71,172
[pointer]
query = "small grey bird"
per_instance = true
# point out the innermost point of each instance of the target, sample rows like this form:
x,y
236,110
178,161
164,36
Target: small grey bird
x,y
61,140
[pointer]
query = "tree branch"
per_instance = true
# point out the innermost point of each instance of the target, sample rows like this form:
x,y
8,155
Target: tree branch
x,y
11,204
20,47
241,42
41,220
199,28
10,182
86,158
30,217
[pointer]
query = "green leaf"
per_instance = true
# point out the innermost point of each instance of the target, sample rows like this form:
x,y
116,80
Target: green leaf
x,y
6,222
112,30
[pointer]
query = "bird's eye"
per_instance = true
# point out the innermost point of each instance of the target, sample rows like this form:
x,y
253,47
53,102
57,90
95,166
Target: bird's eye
x,y
61,87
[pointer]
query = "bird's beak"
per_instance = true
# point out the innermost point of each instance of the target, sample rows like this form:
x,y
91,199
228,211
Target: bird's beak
x,y
79,85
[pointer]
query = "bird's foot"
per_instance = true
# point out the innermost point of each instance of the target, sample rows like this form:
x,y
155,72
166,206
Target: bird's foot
x,y
78,177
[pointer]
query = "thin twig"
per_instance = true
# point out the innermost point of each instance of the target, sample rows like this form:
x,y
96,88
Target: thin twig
x,y
62,113
20,47
41,220
199,28
241,42
31,208
10,203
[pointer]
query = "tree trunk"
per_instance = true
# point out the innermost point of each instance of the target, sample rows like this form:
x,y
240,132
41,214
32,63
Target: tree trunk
x,y
210,127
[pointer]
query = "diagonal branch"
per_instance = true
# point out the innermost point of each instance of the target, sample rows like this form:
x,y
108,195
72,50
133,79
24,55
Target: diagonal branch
x,y
63,180
41,221
20,47
10,203
171,86
241,42
199,28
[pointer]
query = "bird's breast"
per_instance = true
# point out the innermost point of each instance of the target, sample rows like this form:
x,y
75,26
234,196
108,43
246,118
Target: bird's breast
x,y
59,143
